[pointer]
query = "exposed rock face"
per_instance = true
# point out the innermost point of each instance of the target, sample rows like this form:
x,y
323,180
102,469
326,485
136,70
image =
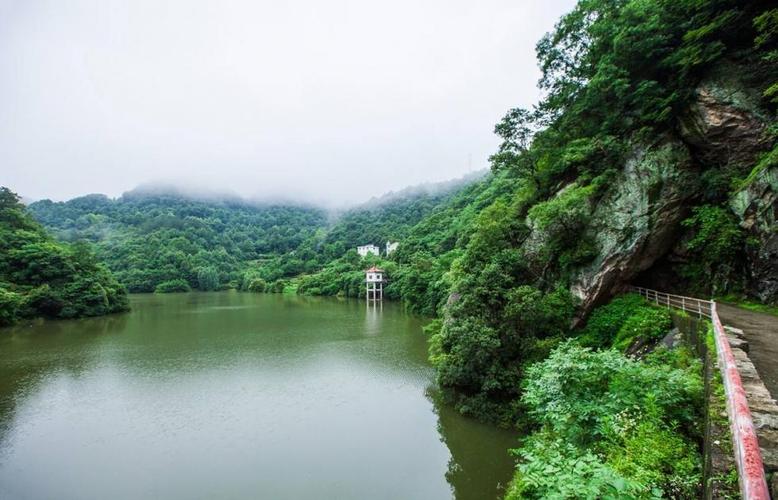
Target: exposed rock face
x,y
725,125
757,207
638,220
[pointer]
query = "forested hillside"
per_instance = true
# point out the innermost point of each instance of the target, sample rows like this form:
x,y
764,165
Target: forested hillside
x,y
419,269
652,159
658,121
418,218
167,241
42,277
172,241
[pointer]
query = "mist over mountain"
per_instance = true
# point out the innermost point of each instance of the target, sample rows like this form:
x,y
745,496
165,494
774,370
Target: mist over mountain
x,y
189,191
427,188
356,100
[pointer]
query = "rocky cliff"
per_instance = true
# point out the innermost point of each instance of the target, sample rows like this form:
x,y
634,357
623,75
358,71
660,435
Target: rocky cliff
x,y
637,223
756,206
638,219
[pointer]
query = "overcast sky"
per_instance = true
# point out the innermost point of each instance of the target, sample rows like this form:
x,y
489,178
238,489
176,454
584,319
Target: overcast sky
x,y
334,101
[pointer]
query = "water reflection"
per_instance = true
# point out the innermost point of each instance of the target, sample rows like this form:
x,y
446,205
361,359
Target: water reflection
x,y
479,467
36,350
373,314
227,395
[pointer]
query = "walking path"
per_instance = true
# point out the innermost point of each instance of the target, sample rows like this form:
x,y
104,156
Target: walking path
x,y
761,332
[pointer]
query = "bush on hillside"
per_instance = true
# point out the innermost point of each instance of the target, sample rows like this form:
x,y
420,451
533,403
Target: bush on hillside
x,y
257,285
44,277
623,320
10,302
207,278
646,326
611,426
173,286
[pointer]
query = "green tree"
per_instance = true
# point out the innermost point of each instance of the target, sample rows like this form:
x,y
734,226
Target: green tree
x,y
43,277
10,303
173,286
207,278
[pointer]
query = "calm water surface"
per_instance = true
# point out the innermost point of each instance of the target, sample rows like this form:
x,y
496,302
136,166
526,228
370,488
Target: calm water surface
x,y
229,395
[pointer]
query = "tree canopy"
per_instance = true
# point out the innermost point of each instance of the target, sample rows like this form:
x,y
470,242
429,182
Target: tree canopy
x,y
43,277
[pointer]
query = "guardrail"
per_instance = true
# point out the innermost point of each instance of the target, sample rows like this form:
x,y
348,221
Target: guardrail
x,y
748,457
689,304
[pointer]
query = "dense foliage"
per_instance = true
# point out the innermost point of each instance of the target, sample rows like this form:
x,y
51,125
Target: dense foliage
x,y
625,322
611,427
715,248
428,223
173,286
153,238
615,73
389,218
42,277
148,238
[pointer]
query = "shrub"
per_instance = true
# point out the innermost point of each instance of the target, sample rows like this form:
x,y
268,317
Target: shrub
x,y
605,321
480,355
715,247
624,319
576,390
654,455
10,302
85,297
43,301
717,233
173,286
646,325
611,426
553,468
257,285
207,278
562,219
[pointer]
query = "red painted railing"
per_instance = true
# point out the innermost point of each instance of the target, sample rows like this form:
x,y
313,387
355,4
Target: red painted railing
x,y
748,457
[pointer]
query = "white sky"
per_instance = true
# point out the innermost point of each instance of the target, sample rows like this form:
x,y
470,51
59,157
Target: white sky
x,y
332,101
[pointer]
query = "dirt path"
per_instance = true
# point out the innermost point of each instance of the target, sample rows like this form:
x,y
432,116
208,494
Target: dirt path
x,y
761,331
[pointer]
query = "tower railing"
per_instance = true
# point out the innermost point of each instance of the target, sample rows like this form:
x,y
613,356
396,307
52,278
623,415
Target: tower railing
x,y
748,457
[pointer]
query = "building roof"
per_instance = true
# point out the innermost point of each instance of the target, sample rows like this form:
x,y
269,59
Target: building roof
x,y
374,270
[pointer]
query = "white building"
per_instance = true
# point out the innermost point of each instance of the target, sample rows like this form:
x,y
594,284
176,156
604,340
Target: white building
x,y
391,247
364,250
374,277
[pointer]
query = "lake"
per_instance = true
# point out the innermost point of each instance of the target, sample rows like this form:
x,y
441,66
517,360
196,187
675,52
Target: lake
x,y
235,395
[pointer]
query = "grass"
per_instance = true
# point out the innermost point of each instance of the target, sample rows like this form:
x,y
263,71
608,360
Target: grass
x,y
748,304
717,413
